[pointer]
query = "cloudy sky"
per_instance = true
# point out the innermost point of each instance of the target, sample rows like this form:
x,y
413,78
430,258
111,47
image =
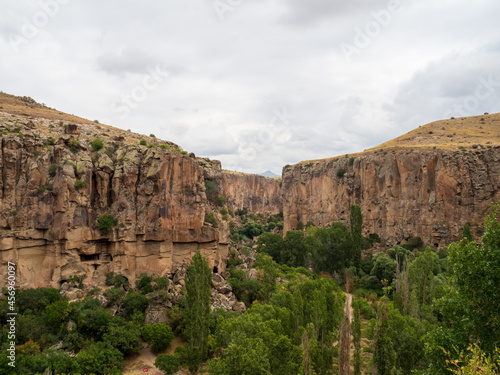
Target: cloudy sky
x,y
256,84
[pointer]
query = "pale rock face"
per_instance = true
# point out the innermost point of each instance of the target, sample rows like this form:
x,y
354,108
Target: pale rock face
x,y
49,229
430,194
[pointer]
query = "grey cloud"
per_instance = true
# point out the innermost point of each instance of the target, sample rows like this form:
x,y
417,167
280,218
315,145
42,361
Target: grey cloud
x,y
128,61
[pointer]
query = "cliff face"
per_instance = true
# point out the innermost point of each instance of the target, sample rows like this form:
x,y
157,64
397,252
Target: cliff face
x,y
54,187
430,194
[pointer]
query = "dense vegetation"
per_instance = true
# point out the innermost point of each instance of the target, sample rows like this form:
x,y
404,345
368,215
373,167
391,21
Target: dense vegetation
x,y
417,310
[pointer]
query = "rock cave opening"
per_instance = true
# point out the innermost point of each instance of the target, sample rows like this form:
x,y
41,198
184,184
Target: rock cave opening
x,y
215,269
88,257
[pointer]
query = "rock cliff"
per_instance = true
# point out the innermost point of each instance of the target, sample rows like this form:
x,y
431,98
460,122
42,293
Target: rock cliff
x,y
56,184
428,187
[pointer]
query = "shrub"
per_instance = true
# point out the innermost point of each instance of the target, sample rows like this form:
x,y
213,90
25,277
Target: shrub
x,y
74,145
158,335
221,200
223,211
210,218
165,147
97,144
142,142
152,136
143,284
351,161
134,303
79,184
51,141
210,187
341,172
106,223
53,170
169,364
114,295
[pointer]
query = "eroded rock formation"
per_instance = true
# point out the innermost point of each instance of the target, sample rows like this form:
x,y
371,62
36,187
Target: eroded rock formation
x,y
430,194
55,186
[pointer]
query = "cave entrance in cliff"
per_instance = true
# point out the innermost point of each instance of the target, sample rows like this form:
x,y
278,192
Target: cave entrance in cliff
x,y
215,269
62,282
88,257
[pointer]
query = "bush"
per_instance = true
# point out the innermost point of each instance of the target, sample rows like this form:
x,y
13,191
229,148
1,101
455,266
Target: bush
x,y
169,364
79,184
142,142
223,211
221,201
152,136
133,303
53,170
210,218
351,161
210,188
144,283
100,358
106,223
97,144
51,141
74,145
341,172
114,295
158,335
165,147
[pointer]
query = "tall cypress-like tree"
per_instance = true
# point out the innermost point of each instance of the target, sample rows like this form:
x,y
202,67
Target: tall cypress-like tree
x,y
356,233
197,312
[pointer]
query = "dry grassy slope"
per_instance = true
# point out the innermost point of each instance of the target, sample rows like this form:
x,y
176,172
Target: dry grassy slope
x,y
17,110
467,132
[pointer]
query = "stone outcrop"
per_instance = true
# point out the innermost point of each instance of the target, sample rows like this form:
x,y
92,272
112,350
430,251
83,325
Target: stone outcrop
x,y
426,193
242,190
54,187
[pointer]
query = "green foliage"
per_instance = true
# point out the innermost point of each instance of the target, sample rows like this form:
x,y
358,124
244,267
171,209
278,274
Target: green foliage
x,y
351,161
114,295
466,233
469,309
356,234
143,142
341,172
143,283
36,300
161,282
221,200
197,311
152,136
79,184
100,358
158,335
356,335
116,280
210,218
106,223
74,146
97,144
169,364
126,338
53,170
165,147
134,302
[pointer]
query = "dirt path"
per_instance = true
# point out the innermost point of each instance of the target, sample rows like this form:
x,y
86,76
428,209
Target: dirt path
x,y
145,359
345,353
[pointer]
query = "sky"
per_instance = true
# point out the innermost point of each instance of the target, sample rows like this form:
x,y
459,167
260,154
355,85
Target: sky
x,y
257,84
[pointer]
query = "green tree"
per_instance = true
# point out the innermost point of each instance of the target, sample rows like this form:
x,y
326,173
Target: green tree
x,y
272,244
356,233
106,223
134,302
466,232
100,358
169,364
269,274
144,283
469,310
126,338
197,311
158,335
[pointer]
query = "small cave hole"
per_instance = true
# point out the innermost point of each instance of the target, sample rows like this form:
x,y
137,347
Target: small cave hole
x,y
215,269
88,257
95,266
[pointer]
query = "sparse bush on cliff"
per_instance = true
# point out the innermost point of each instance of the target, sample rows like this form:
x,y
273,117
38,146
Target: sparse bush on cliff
x,y
106,223
351,161
79,184
74,145
51,141
341,172
97,144
210,218
142,142
53,170
221,200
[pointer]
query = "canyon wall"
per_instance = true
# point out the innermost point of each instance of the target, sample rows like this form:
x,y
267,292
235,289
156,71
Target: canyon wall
x,y
52,194
430,194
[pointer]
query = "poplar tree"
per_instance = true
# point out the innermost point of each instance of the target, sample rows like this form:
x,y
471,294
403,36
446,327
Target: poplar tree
x,y
197,312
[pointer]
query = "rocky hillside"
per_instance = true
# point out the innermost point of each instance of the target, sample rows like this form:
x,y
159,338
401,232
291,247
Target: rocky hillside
x,y
78,197
426,183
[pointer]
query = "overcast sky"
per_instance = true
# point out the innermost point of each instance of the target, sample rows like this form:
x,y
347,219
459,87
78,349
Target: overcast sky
x,y
257,84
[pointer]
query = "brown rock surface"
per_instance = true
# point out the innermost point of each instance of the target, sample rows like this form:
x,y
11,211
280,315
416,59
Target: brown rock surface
x,y
49,228
403,193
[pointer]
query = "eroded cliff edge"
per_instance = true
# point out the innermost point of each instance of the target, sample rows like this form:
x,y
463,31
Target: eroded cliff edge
x,y
426,193
55,186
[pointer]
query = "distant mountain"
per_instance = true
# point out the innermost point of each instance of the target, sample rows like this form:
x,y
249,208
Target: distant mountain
x,y
268,174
